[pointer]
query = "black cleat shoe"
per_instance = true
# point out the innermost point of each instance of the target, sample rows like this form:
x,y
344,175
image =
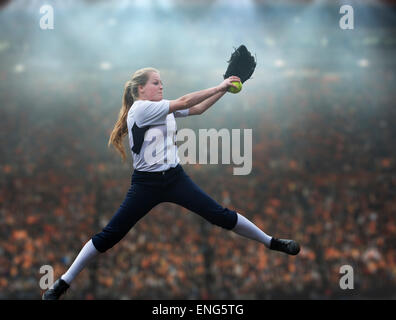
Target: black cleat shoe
x,y
59,287
287,246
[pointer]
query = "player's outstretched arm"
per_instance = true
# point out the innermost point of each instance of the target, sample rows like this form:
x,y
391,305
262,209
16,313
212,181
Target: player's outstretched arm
x,y
189,100
205,105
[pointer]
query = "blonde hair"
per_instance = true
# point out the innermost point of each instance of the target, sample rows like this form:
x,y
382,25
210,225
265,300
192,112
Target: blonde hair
x,y
131,93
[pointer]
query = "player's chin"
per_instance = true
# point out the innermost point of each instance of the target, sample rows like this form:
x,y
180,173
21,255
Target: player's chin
x,y
158,97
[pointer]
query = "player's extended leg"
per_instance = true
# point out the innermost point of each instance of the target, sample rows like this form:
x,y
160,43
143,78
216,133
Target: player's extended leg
x,y
248,229
187,194
139,200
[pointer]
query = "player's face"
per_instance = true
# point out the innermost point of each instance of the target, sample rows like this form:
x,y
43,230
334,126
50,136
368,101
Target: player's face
x,y
153,89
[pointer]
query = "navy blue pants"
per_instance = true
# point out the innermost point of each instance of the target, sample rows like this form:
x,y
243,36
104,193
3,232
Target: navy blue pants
x,y
149,189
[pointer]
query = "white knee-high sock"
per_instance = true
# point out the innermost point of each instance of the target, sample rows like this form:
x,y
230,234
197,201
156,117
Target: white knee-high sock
x,y
84,257
248,229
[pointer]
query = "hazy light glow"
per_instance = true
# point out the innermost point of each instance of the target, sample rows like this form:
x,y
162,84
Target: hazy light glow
x,y
19,68
363,63
105,65
279,63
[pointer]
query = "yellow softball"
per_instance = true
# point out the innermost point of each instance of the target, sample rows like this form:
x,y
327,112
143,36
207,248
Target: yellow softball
x,y
235,90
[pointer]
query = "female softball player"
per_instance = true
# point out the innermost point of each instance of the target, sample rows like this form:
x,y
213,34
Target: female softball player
x,y
146,117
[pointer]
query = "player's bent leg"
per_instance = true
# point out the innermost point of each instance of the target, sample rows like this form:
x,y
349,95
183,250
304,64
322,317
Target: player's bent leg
x,y
248,229
87,253
138,202
244,227
186,193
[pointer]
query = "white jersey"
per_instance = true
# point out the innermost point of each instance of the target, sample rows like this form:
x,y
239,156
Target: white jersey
x,y
152,135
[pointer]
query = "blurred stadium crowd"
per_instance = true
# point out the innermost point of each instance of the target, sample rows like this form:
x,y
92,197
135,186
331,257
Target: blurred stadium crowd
x,y
324,173
324,176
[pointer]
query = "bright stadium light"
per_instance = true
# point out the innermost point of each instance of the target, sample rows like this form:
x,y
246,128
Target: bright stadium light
x,y
19,68
363,63
105,65
279,63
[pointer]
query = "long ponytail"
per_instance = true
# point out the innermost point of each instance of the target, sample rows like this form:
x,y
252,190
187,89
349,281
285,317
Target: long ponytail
x,y
131,93
120,128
